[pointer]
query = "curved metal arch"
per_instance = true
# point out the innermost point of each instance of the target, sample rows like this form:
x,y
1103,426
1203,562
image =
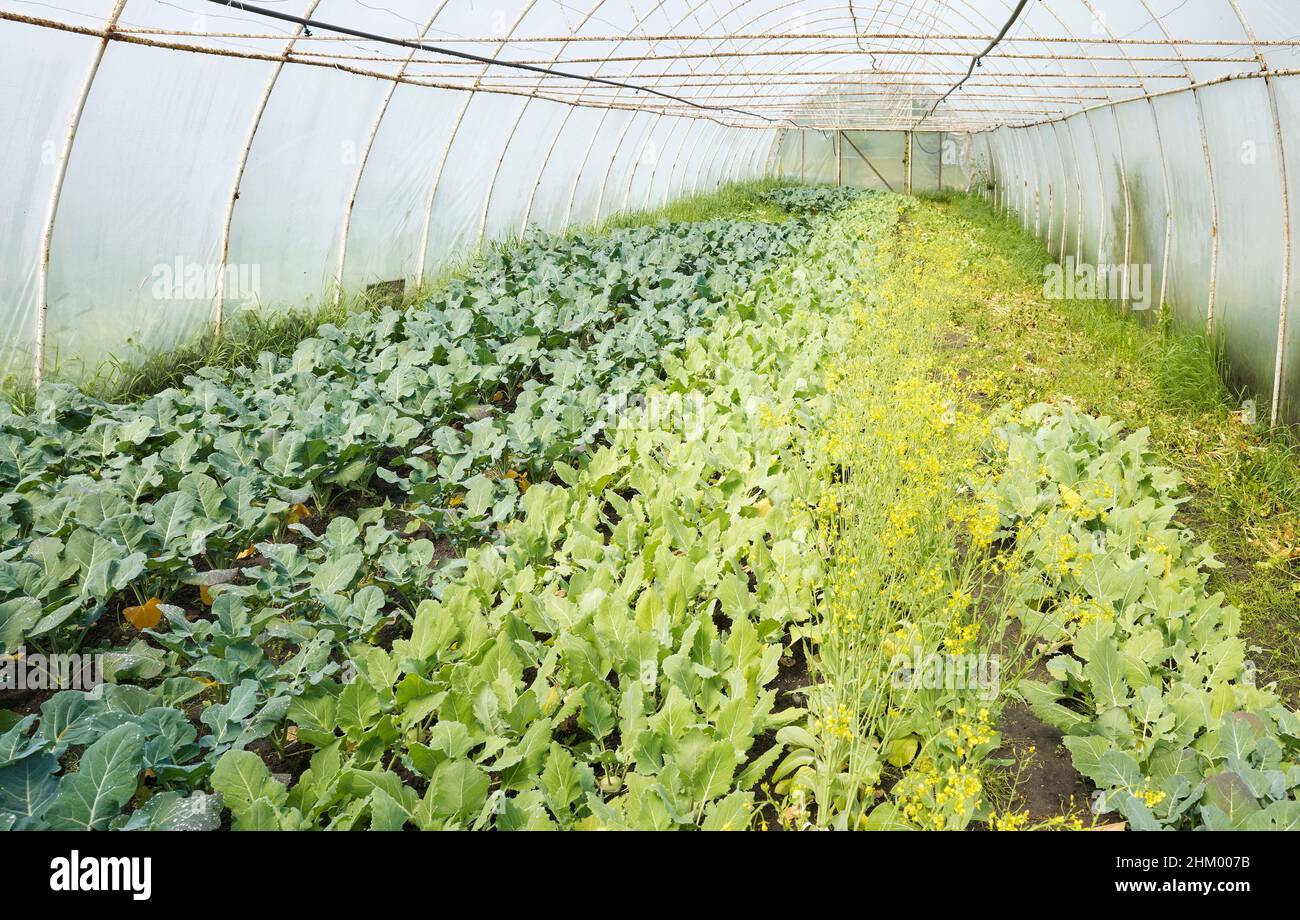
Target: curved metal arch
x,y
1123,168
694,69
689,136
505,149
1092,131
767,12
365,157
609,167
537,181
1128,200
678,123
1279,361
636,163
1078,199
600,125
736,150
218,303
974,20
902,19
756,46
1209,170
1065,195
56,192
694,138
577,179
451,141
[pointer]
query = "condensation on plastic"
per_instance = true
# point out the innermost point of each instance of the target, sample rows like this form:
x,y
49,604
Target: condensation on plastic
x,y
1145,173
1246,173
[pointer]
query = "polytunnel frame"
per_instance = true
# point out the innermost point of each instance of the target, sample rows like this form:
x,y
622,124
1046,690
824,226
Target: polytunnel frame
x,y
109,34
1033,35
839,134
743,153
136,35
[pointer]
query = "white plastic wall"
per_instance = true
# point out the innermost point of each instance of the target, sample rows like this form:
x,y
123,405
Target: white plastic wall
x,y
1204,218
197,185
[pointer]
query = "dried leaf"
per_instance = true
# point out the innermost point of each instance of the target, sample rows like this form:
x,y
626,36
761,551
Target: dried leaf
x,y
145,616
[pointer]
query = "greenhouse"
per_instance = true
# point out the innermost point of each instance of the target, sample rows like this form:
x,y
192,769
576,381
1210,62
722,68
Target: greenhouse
x,y
649,415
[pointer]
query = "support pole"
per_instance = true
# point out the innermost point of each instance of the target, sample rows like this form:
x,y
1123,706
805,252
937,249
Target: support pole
x,y
941,161
839,160
907,165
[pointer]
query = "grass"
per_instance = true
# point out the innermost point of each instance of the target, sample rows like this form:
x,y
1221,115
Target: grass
x,y
735,201
242,338
1243,478
248,334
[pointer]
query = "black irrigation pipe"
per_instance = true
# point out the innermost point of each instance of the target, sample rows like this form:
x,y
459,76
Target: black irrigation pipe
x,y
466,56
975,62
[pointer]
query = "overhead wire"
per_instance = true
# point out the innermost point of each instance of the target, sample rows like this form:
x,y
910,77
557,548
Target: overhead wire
x,y
310,23
975,62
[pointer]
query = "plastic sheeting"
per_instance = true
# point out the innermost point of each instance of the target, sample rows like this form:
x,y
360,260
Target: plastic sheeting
x,y
171,162
1187,196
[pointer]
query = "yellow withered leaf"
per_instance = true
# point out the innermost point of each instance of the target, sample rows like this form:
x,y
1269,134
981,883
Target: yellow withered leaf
x,y
205,594
900,753
248,553
1071,498
145,616
298,512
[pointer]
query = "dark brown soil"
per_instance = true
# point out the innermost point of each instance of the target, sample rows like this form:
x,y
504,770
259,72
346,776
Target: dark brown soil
x,y
24,702
1049,785
791,679
291,762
